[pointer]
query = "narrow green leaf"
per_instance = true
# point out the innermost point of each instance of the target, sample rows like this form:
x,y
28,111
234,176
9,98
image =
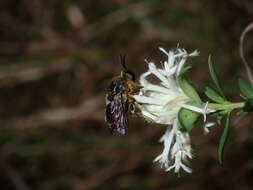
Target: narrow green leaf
x,y
245,88
223,139
184,70
213,95
187,119
214,76
188,89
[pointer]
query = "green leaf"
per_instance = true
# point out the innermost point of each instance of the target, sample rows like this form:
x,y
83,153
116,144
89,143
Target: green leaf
x,y
214,76
188,89
245,88
223,139
187,119
213,95
184,70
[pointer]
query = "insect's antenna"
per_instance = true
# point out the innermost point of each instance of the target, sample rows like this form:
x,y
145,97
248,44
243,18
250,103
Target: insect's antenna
x,y
122,61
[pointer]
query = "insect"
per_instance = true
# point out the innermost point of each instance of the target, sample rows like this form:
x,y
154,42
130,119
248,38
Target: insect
x,y
119,100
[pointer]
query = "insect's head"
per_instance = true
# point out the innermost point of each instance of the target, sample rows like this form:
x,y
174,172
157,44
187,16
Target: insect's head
x,y
126,72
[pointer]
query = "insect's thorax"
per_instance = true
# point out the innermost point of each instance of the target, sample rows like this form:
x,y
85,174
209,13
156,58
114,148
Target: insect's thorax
x,y
121,85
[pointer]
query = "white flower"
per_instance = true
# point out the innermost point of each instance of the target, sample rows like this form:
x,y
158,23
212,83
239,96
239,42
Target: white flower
x,y
207,126
161,102
177,148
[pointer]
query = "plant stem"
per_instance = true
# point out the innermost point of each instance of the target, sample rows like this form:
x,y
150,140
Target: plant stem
x,y
230,106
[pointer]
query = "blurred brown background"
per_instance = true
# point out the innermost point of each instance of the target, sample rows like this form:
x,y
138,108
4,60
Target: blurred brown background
x,y
56,58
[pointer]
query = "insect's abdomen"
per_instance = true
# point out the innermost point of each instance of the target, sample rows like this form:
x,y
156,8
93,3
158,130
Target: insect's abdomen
x,y
116,114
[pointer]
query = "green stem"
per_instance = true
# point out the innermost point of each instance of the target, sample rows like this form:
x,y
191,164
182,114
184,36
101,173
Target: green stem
x,y
230,106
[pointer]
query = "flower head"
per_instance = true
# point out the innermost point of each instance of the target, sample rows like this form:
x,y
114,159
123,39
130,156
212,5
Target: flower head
x,y
160,103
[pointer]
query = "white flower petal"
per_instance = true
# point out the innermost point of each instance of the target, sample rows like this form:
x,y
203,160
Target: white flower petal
x,y
155,71
210,124
147,100
195,53
186,168
198,109
207,126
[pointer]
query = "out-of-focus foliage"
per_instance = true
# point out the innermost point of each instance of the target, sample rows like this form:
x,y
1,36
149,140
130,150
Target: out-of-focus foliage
x,y
57,57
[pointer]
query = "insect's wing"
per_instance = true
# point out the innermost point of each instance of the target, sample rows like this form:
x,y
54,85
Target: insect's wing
x,y
116,114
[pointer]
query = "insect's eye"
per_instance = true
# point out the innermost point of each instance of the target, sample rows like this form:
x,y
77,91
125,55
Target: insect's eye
x,y
130,75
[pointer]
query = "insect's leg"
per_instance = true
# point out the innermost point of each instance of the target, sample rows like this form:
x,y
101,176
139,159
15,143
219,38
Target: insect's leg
x,y
134,109
137,88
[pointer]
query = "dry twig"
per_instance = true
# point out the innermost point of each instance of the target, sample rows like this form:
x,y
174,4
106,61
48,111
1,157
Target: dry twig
x,y
241,50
